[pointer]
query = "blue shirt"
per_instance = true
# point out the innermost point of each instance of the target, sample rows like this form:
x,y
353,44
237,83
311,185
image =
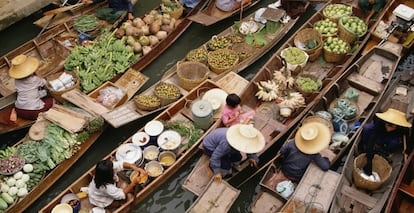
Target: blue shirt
x,y
387,141
190,3
216,141
296,162
118,5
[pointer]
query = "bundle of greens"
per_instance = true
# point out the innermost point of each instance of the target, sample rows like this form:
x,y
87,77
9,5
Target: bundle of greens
x,y
185,129
100,61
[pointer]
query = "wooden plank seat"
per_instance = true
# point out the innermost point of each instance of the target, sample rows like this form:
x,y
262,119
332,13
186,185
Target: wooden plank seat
x,y
365,84
356,201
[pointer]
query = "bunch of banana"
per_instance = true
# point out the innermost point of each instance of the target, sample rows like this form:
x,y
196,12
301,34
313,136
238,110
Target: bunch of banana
x,y
268,90
281,80
7,152
294,100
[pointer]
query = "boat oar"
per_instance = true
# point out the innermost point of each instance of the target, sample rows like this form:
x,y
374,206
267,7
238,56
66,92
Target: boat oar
x,y
259,170
62,9
50,20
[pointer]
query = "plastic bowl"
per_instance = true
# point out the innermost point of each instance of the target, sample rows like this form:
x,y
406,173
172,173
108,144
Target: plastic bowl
x,y
62,208
154,128
167,158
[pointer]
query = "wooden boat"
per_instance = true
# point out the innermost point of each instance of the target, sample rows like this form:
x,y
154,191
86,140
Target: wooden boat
x,y
50,49
211,14
180,110
393,28
370,90
350,198
267,118
130,112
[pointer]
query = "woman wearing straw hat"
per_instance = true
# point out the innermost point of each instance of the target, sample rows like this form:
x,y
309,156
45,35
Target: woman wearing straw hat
x,y
230,5
310,139
29,101
224,147
384,136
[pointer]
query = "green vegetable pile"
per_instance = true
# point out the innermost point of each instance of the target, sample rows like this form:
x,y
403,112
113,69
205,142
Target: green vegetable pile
x,y
337,10
100,61
308,85
86,23
354,24
336,45
294,55
186,129
326,27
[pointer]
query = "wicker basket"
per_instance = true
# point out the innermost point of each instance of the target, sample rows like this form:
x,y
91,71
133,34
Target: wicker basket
x,y
326,35
191,73
243,50
58,94
304,36
199,54
346,35
147,107
225,54
333,57
336,18
379,165
163,100
305,93
177,13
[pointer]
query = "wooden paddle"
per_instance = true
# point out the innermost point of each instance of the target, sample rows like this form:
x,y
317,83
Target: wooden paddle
x,y
62,9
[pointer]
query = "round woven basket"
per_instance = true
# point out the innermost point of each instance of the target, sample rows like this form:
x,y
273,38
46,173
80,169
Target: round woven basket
x,y
305,93
147,107
199,54
225,54
306,35
57,95
163,100
379,165
346,35
191,73
335,18
243,50
177,13
326,35
333,57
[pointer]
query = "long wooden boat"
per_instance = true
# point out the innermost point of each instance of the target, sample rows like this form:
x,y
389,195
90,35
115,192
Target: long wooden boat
x,y
350,198
51,49
267,118
211,14
179,111
370,90
394,28
129,112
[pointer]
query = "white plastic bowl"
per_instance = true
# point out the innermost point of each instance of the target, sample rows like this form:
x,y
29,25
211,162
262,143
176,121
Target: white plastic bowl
x,y
140,138
154,128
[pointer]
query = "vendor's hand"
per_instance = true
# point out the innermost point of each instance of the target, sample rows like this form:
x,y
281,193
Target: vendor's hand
x,y
252,162
218,178
130,16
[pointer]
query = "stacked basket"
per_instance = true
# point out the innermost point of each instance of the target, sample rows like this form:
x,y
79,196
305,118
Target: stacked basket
x,y
346,34
305,36
222,60
191,73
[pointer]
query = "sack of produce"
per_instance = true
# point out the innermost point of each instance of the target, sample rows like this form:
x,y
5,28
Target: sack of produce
x,y
294,58
167,93
336,11
351,28
335,49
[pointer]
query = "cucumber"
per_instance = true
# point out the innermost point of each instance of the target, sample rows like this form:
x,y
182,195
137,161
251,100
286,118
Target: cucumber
x,y
6,197
3,204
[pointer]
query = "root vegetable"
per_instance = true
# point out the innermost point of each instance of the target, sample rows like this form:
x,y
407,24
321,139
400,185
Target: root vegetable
x,y
161,35
138,22
166,28
154,28
145,30
129,30
144,41
130,40
137,47
120,32
137,32
146,49
153,40
148,19
166,21
172,23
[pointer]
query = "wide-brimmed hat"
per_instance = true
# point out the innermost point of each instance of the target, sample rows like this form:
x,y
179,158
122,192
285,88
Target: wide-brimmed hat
x,y
312,137
245,138
23,66
395,117
217,97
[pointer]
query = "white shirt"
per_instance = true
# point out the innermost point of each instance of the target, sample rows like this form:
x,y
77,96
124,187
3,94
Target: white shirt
x,y
28,93
226,5
105,195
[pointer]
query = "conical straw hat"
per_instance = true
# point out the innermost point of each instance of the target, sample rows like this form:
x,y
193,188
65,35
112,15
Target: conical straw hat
x,y
245,138
312,137
395,117
23,66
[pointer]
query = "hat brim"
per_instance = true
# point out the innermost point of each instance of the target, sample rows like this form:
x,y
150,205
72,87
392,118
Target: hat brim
x,y
216,94
27,68
243,144
320,142
37,130
395,117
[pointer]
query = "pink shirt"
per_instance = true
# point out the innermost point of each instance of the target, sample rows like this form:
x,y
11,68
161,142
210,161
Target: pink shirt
x,y
229,113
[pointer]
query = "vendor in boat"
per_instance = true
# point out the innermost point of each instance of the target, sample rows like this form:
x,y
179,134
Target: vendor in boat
x,y
310,140
230,5
384,136
103,191
31,95
371,5
232,114
225,146
117,6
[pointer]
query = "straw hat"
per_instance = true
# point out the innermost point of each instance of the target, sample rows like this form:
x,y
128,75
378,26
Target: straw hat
x,y
23,66
395,117
245,138
312,137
